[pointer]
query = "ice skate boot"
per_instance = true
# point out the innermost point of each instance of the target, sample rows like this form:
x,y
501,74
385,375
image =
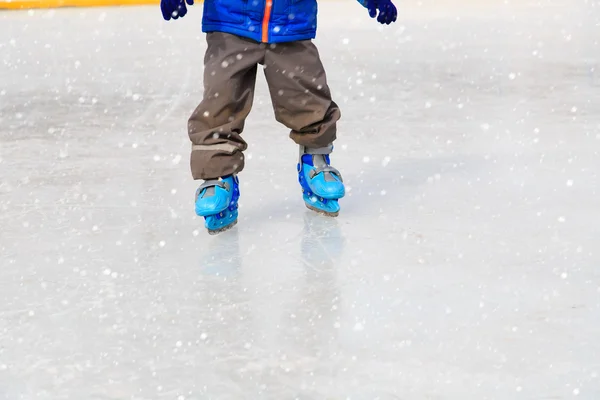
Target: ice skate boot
x,y
217,202
321,184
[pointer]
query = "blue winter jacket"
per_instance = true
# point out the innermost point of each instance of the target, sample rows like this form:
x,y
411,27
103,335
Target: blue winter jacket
x,y
267,21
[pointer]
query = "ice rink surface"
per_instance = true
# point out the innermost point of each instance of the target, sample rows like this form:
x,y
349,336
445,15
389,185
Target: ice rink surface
x,y
462,265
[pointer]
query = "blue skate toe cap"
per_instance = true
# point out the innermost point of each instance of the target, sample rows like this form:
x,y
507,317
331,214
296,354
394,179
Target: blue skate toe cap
x,y
331,188
207,204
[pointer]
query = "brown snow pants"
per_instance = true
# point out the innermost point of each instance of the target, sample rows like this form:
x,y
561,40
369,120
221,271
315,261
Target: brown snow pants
x,y
299,93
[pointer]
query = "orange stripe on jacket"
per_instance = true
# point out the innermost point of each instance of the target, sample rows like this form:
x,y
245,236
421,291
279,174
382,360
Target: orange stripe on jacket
x,y
265,22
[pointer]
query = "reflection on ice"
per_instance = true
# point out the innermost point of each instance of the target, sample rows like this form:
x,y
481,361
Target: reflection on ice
x,y
221,256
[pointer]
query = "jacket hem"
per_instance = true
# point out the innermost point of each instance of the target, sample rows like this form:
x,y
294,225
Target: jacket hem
x,y
257,36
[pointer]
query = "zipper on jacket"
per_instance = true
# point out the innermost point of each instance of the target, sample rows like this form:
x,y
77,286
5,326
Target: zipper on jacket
x,y
265,21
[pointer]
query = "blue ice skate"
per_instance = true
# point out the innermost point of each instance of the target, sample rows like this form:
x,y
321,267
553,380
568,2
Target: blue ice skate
x,y
322,185
217,202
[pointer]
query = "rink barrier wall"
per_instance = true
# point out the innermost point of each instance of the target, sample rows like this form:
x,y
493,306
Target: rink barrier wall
x,y
28,4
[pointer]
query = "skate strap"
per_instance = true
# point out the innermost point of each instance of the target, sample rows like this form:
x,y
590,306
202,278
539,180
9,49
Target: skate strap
x,y
213,182
327,168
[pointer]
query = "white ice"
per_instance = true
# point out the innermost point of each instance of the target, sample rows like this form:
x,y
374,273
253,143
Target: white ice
x,y
463,264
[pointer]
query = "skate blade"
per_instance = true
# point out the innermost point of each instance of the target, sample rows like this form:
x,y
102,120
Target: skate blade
x,y
223,229
322,212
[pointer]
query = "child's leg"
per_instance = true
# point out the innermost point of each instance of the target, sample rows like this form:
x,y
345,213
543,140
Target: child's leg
x,y
302,101
300,95
214,128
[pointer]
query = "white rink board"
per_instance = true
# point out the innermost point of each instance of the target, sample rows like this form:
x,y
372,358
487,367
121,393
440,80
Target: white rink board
x,y
463,265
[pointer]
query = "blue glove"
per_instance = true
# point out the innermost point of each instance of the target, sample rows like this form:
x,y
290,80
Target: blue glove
x,y
174,8
387,10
